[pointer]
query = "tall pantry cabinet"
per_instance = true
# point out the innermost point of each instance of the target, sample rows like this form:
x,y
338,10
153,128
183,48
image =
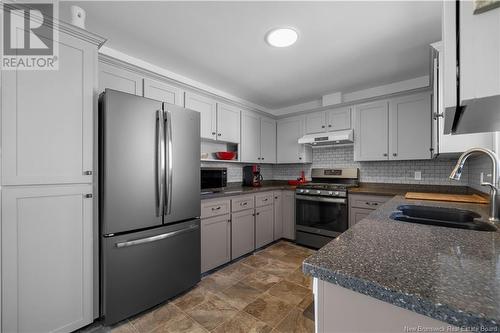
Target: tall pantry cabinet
x,y
47,199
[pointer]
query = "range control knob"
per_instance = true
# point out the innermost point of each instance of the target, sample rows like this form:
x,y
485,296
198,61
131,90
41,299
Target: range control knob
x,y
306,191
301,191
336,193
330,193
318,192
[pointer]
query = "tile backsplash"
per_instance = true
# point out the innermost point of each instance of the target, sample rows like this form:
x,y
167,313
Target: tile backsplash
x,y
434,172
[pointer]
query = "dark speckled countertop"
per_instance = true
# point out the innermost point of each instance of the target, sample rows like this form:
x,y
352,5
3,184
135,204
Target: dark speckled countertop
x,y
452,275
238,189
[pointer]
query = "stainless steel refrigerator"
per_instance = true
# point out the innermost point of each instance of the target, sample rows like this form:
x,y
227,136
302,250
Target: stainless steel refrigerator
x,y
149,204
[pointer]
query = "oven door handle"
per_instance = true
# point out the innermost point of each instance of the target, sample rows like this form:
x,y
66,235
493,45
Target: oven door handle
x,y
321,199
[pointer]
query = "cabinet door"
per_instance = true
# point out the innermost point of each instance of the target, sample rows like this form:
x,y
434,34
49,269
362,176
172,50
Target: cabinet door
x,y
289,214
47,254
264,225
47,129
278,215
208,113
357,214
242,233
228,123
371,132
410,127
119,79
250,137
289,131
267,140
338,119
164,92
215,242
315,122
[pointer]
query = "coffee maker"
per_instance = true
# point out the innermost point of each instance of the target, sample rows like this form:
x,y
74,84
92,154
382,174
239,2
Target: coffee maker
x,y
252,176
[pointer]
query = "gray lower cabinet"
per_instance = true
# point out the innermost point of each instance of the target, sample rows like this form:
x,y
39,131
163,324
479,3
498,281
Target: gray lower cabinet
x,y
278,215
242,233
361,205
215,241
264,225
288,198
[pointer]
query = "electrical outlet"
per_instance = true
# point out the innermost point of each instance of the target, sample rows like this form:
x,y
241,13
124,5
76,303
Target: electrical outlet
x,y
418,175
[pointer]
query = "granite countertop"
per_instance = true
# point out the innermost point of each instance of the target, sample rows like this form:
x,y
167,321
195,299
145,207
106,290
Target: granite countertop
x,y
452,275
238,189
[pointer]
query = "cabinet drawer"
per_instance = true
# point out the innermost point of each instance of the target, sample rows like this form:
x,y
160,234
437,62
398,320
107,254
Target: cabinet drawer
x,y
367,201
264,199
242,202
215,208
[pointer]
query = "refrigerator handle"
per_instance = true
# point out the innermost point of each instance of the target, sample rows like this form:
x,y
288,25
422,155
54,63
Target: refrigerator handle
x,y
157,237
160,157
169,161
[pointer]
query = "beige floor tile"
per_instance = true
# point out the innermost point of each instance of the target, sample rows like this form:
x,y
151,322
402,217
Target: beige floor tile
x,y
243,323
183,324
268,309
212,312
217,282
292,259
261,280
191,299
123,327
236,271
278,268
240,295
295,322
156,318
298,277
306,301
256,261
289,292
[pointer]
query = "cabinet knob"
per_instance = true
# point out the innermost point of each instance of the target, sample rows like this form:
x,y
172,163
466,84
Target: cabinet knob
x,y
323,126
329,125
262,158
300,158
385,154
87,173
88,196
213,133
394,154
219,134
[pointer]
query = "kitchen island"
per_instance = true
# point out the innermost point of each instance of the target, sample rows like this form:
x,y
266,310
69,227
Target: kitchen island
x,y
384,275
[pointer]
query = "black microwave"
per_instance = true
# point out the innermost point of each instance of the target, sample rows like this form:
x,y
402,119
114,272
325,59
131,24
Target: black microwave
x,y
213,179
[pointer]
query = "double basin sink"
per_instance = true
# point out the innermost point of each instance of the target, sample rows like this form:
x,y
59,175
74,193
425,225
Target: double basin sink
x,y
444,217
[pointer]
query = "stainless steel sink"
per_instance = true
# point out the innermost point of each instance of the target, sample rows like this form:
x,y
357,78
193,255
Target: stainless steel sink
x,y
444,217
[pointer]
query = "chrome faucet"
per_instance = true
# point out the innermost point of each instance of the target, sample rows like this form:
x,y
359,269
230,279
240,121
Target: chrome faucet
x,y
494,185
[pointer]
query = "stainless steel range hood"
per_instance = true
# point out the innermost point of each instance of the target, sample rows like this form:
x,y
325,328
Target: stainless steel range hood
x,y
328,138
473,116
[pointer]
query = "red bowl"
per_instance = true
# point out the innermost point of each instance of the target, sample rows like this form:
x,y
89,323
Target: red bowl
x,y
296,182
225,155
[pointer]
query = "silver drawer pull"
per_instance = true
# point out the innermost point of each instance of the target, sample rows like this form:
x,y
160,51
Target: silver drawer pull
x,y
156,238
243,203
216,208
265,199
371,203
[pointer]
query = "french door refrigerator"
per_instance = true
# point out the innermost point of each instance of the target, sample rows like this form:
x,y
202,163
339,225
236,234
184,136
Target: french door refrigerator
x,y
149,204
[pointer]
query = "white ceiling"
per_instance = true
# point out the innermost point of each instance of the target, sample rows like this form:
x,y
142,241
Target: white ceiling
x,y
342,46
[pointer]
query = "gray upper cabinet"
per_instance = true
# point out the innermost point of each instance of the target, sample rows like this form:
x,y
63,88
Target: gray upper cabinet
x,y
371,131
264,225
289,130
47,119
242,233
47,276
410,127
228,123
120,79
162,91
258,138
330,120
267,140
207,108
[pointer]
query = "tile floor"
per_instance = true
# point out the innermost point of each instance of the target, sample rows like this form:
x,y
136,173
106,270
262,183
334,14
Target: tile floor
x,y
264,292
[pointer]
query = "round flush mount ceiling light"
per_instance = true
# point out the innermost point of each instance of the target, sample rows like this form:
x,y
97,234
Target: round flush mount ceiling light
x,y
282,37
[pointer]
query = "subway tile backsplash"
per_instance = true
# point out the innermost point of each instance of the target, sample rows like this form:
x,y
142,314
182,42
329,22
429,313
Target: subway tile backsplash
x,y
434,172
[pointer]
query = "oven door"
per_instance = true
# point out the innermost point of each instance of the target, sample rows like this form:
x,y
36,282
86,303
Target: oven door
x,y
321,215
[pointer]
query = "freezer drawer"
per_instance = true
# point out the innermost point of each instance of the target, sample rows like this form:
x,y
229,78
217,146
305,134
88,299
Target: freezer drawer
x,y
143,269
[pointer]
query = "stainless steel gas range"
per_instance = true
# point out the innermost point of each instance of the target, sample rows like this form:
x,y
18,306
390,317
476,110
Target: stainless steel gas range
x,y
321,206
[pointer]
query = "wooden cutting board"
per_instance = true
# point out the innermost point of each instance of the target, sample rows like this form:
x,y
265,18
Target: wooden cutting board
x,y
469,198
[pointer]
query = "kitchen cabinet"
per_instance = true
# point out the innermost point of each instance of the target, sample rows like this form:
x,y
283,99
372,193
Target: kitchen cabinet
x,y
278,215
289,130
207,108
215,242
258,138
395,129
371,131
443,93
114,77
47,129
162,91
264,225
357,214
330,120
288,202
47,258
361,205
242,233
228,123
410,127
